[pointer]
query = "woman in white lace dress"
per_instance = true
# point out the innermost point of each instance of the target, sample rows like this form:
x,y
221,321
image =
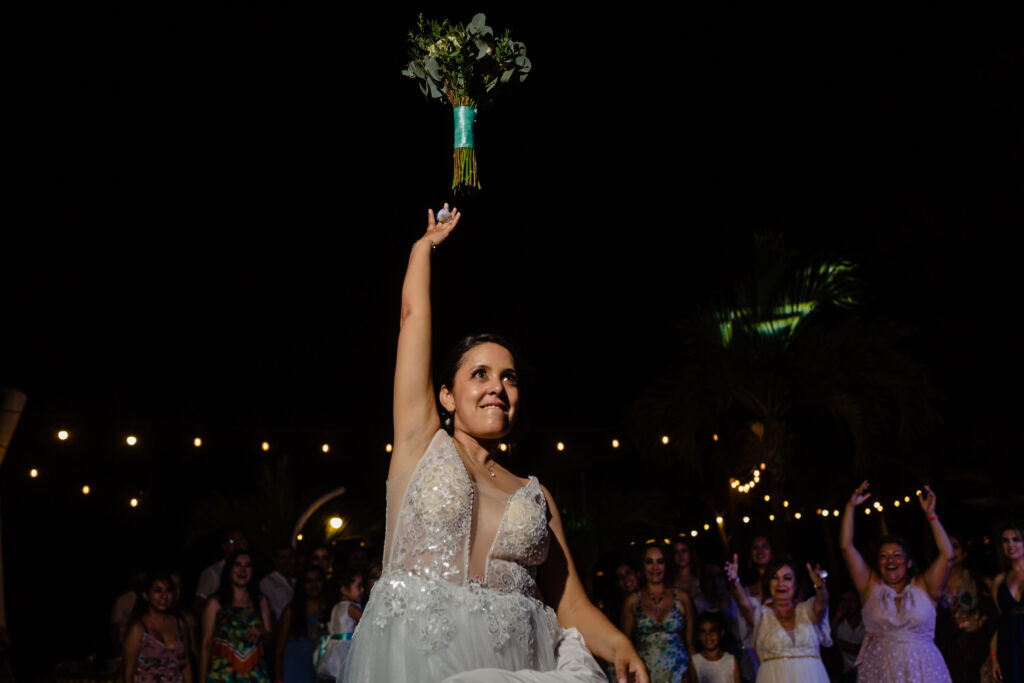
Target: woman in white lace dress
x,y
468,547
788,634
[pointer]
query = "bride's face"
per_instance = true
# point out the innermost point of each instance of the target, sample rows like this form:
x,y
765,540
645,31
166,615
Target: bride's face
x,y
484,398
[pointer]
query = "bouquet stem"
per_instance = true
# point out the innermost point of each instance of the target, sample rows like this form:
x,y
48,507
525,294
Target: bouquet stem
x,y
464,178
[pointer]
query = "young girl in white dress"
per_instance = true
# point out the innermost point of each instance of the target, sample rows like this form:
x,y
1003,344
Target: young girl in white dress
x,y
713,664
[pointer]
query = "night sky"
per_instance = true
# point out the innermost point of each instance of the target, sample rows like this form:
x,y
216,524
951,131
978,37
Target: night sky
x,y
209,209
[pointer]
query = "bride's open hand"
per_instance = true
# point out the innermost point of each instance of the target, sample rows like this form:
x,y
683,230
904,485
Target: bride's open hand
x,y
438,231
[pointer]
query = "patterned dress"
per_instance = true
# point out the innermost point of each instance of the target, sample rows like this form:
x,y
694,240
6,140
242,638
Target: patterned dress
x,y
660,644
900,642
457,599
157,662
236,659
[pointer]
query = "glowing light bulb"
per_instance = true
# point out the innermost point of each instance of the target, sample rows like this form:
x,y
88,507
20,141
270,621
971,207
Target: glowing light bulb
x,y
502,447
798,515
714,437
835,513
667,541
197,442
693,533
918,492
134,502
824,513
707,527
387,448
335,522
664,439
867,511
33,473
762,466
63,435
785,503
131,441
560,446
265,446
771,518
896,503
326,448
733,483
615,443
719,519
86,489
767,498
818,511
299,537
746,520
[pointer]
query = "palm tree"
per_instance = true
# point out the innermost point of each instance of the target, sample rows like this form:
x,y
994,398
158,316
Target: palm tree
x,y
787,374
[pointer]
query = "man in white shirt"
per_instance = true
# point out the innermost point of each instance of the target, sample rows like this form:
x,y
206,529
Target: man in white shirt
x,y
279,585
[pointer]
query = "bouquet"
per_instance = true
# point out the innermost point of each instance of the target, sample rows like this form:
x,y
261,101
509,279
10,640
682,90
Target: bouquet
x,y
470,67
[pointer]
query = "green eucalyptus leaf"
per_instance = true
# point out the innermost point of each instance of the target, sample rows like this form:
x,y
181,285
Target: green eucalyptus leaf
x,y
507,76
417,69
435,92
483,48
523,62
433,68
478,22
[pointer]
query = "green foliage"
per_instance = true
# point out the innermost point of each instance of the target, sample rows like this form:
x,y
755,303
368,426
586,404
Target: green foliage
x,y
464,62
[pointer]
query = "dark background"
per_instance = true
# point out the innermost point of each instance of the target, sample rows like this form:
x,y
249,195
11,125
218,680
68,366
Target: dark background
x,y
208,209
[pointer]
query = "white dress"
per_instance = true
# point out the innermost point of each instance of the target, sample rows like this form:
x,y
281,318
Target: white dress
x,y
329,659
456,600
790,656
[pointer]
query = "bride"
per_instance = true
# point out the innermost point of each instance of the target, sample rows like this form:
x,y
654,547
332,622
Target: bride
x,y
471,547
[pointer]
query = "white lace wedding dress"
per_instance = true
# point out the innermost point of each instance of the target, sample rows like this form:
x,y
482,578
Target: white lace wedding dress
x,y
456,600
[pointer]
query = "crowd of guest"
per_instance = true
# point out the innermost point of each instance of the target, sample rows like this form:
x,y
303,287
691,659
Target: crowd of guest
x,y
293,624
767,616
763,617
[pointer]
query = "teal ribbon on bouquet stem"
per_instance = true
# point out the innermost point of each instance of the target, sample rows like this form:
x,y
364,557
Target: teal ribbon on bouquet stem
x,y
464,117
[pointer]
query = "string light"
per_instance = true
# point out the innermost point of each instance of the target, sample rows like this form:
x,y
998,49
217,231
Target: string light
x,y
131,440
387,448
785,503
197,442
326,448
134,502
767,498
867,511
707,527
896,503
835,513
906,499
714,437
693,533
798,515
265,446
502,447
746,520
615,443
33,473
771,518
560,446
719,519
86,489
664,440
299,537
336,522
63,435
762,466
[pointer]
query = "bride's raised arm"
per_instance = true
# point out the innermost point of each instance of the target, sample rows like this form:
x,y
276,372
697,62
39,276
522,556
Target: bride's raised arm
x,y
414,408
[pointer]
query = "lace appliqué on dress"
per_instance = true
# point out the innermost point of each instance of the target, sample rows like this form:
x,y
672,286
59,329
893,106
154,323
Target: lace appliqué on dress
x,y
426,580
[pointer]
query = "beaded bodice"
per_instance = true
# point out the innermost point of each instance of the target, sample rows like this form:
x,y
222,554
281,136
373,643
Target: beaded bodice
x,y
448,528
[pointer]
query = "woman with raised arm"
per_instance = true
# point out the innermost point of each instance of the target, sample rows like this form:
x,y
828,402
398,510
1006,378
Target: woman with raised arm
x,y
469,544
898,607
788,634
